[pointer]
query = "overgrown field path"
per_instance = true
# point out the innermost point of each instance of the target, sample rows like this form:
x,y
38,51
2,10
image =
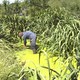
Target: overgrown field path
x,y
32,60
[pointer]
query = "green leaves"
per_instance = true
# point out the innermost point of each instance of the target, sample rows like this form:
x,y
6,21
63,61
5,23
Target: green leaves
x,y
7,60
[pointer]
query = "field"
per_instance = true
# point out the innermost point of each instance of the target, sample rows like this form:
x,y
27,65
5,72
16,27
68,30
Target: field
x,y
31,60
56,24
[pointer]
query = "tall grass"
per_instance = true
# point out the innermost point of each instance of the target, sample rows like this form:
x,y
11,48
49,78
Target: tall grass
x,y
58,33
6,60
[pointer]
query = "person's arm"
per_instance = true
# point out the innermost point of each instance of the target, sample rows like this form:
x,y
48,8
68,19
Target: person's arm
x,y
24,38
24,42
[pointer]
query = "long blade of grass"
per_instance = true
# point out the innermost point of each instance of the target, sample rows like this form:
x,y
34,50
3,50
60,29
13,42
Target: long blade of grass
x,y
51,70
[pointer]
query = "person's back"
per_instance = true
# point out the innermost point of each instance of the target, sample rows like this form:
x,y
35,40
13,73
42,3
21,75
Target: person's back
x,y
28,35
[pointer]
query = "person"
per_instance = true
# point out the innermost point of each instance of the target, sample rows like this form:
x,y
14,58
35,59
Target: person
x,y
29,35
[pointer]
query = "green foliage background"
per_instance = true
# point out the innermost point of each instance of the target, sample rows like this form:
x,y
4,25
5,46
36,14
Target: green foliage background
x,y
56,23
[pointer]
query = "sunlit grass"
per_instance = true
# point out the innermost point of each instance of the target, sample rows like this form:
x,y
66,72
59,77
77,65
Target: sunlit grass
x,y
32,60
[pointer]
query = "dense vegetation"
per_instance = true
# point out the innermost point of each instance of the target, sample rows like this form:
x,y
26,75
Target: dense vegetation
x,y
57,25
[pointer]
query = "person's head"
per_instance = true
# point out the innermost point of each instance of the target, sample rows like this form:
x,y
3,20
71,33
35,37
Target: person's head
x,y
20,34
